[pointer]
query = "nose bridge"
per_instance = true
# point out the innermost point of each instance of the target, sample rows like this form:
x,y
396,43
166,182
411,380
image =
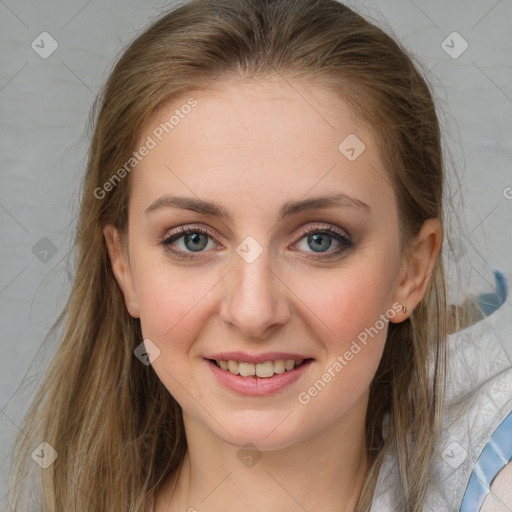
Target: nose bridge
x,y
256,302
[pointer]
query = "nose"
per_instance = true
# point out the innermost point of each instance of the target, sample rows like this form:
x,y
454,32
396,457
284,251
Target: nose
x,y
256,302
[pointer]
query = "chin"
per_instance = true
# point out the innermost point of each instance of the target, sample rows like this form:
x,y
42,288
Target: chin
x,y
274,432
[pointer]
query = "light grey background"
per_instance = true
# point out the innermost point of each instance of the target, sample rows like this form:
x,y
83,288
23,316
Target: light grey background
x,y
44,108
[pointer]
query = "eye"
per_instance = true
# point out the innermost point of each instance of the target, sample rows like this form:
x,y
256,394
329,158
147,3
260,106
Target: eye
x,y
320,238
195,240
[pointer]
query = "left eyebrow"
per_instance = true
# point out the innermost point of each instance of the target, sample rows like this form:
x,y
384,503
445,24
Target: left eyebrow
x,y
329,201
289,208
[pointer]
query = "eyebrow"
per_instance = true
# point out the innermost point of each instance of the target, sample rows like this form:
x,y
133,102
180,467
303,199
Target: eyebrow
x,y
289,208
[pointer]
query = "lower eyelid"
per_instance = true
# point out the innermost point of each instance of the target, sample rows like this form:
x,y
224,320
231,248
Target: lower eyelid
x,y
343,246
169,240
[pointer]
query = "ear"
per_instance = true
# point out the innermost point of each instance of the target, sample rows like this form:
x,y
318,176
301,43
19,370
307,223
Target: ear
x,y
417,267
121,268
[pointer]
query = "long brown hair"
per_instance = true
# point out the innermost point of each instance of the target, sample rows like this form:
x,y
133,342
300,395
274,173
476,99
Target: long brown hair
x,y
117,431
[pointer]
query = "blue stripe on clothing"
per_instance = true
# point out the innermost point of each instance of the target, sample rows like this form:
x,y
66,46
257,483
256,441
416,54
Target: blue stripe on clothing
x,y
490,302
494,457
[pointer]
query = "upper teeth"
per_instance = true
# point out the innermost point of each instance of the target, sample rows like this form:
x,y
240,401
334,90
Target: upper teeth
x,y
266,369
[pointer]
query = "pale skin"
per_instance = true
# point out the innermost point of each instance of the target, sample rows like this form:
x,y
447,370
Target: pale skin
x,y
251,147
499,498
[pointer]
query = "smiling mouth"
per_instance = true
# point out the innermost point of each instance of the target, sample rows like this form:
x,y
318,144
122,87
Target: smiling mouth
x,y
263,370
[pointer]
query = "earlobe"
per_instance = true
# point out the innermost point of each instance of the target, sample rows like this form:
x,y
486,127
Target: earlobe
x,y
417,269
121,269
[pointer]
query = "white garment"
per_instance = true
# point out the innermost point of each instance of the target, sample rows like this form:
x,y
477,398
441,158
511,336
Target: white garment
x,y
478,400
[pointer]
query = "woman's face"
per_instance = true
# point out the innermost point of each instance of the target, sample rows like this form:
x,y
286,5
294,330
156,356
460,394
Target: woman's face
x,y
279,276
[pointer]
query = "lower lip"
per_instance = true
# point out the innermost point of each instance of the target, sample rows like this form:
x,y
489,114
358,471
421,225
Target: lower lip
x,y
258,386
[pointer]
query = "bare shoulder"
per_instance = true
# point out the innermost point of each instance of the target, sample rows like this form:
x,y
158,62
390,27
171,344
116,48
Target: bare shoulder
x,y
500,497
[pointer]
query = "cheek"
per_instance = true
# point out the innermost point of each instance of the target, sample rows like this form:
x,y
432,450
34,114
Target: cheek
x,y
349,300
172,303
175,307
348,322
349,308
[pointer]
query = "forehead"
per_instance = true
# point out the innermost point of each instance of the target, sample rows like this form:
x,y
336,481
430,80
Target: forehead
x,y
260,142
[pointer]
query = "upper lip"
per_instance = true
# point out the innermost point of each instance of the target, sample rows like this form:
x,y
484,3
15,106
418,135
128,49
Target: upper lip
x,y
256,358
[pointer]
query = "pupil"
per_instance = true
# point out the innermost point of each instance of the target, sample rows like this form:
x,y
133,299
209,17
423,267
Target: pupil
x,y
318,238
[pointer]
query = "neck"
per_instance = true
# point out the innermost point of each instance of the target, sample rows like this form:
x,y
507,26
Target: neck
x,y
322,472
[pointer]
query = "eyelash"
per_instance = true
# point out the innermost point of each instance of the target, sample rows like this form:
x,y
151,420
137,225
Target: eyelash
x,y
338,235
